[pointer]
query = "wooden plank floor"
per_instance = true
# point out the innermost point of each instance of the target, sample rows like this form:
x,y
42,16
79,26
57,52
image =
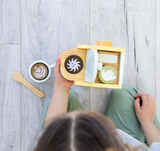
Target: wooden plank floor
x,y
32,30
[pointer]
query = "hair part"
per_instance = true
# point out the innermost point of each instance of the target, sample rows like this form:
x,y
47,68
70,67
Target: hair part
x,y
72,146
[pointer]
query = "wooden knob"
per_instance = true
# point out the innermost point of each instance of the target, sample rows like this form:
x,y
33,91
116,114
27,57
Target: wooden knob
x,y
104,43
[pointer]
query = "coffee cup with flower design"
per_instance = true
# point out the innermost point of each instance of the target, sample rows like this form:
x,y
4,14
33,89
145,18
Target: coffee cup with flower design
x,y
40,71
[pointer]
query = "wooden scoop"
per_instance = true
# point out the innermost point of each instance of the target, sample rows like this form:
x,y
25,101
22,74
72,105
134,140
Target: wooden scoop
x,y
18,77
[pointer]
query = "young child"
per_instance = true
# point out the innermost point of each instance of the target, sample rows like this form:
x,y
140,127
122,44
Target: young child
x,y
67,127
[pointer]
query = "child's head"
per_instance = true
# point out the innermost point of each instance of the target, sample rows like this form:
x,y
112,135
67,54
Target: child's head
x,y
80,131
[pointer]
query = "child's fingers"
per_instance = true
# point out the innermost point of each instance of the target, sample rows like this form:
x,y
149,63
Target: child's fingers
x,y
143,97
150,98
138,95
57,66
137,104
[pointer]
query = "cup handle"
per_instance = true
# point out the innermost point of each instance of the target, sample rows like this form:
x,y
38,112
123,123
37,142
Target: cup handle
x,y
52,65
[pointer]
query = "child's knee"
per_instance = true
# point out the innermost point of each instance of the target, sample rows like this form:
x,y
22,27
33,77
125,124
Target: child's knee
x,y
120,98
132,91
123,95
118,92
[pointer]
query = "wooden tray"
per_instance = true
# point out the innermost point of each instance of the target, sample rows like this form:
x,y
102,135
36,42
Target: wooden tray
x,y
81,52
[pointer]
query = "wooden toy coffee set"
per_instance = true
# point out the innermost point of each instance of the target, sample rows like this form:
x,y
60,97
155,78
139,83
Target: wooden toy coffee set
x,y
98,65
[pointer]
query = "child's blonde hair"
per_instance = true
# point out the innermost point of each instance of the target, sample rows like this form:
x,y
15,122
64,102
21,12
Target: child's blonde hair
x,y
81,131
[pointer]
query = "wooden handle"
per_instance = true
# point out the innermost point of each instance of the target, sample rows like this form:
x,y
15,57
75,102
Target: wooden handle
x,y
31,87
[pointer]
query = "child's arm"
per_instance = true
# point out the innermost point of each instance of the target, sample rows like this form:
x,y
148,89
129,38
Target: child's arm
x,y
151,132
59,100
146,114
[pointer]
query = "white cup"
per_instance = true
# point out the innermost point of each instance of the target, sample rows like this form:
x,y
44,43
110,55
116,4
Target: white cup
x,y
49,71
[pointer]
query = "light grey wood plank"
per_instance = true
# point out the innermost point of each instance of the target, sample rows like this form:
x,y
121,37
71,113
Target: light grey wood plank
x,y
48,28
10,21
10,101
157,59
99,98
129,25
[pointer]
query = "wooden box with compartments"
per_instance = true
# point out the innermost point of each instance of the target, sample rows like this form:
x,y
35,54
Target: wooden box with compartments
x,y
98,65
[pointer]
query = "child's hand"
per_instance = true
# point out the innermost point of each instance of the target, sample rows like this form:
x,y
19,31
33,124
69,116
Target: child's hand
x,y
59,78
146,112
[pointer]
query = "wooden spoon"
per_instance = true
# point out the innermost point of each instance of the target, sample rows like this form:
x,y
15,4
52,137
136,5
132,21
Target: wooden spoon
x,y
18,77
